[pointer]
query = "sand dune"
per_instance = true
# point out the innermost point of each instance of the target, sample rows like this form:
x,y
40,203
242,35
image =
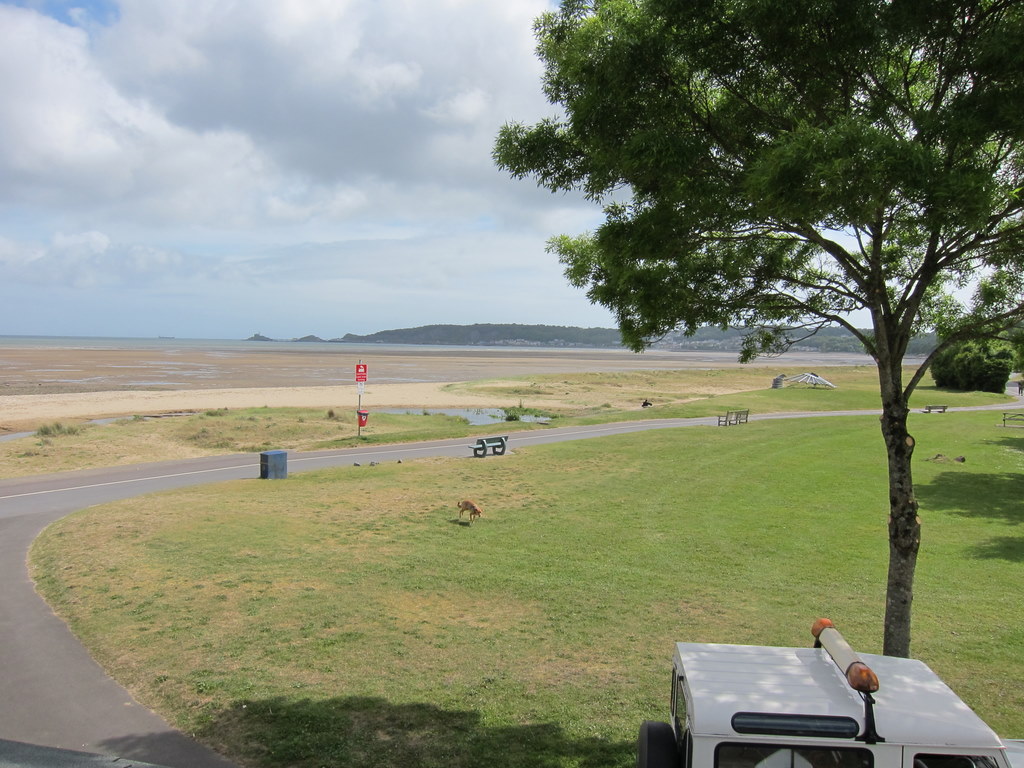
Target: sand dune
x,y
17,411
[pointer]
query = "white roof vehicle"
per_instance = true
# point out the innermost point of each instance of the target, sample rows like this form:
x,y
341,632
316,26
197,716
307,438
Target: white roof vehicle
x,y
742,706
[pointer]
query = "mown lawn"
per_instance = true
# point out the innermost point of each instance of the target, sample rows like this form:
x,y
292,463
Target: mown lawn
x,y
347,618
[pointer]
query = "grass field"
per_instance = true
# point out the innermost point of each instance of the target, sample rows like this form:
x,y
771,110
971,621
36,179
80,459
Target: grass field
x,y
347,618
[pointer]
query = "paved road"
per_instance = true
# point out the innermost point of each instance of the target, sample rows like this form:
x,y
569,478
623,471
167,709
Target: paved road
x,y
56,695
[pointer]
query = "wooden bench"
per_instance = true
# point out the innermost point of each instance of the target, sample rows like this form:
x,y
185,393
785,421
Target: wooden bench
x,y
496,445
733,417
930,408
1012,418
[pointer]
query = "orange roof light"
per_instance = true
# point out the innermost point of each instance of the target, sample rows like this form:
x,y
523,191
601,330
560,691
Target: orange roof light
x,y
862,678
819,625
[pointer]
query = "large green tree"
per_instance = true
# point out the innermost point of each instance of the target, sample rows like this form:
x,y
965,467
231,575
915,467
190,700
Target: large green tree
x,y
780,164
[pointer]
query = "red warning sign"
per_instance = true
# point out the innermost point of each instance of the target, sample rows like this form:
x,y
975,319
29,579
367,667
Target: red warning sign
x,y
360,372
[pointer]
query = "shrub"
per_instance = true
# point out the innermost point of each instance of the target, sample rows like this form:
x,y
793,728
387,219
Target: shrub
x,y
519,413
57,429
982,366
513,413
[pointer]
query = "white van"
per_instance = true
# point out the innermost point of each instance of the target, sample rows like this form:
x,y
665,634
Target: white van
x,y
741,706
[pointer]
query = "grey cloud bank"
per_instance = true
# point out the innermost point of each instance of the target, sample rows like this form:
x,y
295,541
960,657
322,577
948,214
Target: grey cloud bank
x,y
207,167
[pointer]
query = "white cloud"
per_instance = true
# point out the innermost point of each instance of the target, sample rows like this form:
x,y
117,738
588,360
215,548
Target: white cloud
x,y
349,91
71,141
265,149
91,260
465,107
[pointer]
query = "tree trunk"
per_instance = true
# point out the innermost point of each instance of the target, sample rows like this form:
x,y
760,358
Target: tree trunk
x,y
904,524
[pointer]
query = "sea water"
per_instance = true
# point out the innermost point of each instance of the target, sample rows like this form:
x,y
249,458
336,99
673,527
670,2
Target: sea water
x,y
239,345
475,416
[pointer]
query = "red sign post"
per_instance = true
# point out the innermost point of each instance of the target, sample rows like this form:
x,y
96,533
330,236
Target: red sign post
x,y
361,370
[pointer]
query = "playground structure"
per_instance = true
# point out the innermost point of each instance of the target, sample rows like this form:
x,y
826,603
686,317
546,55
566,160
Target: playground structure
x,y
807,379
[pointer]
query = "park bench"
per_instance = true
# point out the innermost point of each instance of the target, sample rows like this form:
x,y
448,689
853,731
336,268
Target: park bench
x,y
1012,418
733,417
496,445
939,408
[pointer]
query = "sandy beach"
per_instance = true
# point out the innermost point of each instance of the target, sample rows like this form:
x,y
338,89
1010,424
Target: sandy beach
x,y
46,383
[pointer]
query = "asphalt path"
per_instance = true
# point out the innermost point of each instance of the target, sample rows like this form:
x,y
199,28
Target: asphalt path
x,y
56,694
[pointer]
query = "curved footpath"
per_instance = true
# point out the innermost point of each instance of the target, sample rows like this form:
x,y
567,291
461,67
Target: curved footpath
x,y
57,696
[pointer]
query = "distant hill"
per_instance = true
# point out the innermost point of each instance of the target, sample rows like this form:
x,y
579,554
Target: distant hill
x,y
493,334
261,337
514,335
825,340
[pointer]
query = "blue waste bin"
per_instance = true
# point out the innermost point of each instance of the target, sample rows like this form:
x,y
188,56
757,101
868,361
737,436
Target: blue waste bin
x,y
273,465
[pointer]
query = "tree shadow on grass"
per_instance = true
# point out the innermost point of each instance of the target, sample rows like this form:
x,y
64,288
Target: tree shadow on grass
x,y
1009,548
993,495
360,732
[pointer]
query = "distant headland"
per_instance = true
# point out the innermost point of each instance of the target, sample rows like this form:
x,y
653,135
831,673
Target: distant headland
x,y
515,335
481,334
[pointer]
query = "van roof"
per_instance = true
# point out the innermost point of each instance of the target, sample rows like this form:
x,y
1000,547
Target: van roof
x,y
912,705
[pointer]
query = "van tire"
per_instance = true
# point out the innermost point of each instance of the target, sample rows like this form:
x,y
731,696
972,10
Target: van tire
x,y
656,746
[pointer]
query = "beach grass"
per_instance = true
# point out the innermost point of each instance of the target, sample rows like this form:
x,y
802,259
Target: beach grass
x,y
347,617
215,432
568,399
694,392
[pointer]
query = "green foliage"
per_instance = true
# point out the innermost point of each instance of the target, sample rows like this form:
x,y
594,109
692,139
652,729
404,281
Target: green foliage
x,y
982,366
1017,344
513,413
780,164
731,141
517,412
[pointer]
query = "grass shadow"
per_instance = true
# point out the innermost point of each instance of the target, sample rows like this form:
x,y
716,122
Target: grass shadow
x,y
1009,548
360,732
992,495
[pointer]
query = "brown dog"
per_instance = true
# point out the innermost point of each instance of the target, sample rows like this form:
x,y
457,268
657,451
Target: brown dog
x,y
469,506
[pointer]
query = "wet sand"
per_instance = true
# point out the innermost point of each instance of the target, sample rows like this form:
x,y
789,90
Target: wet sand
x,y
40,384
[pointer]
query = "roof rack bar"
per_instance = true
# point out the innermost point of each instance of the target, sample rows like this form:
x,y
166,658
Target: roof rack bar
x,y
859,675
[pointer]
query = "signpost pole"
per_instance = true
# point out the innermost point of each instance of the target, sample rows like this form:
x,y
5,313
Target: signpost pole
x,y
361,370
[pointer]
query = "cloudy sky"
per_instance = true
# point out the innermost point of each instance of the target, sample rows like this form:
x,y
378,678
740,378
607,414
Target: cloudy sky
x,y
214,168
